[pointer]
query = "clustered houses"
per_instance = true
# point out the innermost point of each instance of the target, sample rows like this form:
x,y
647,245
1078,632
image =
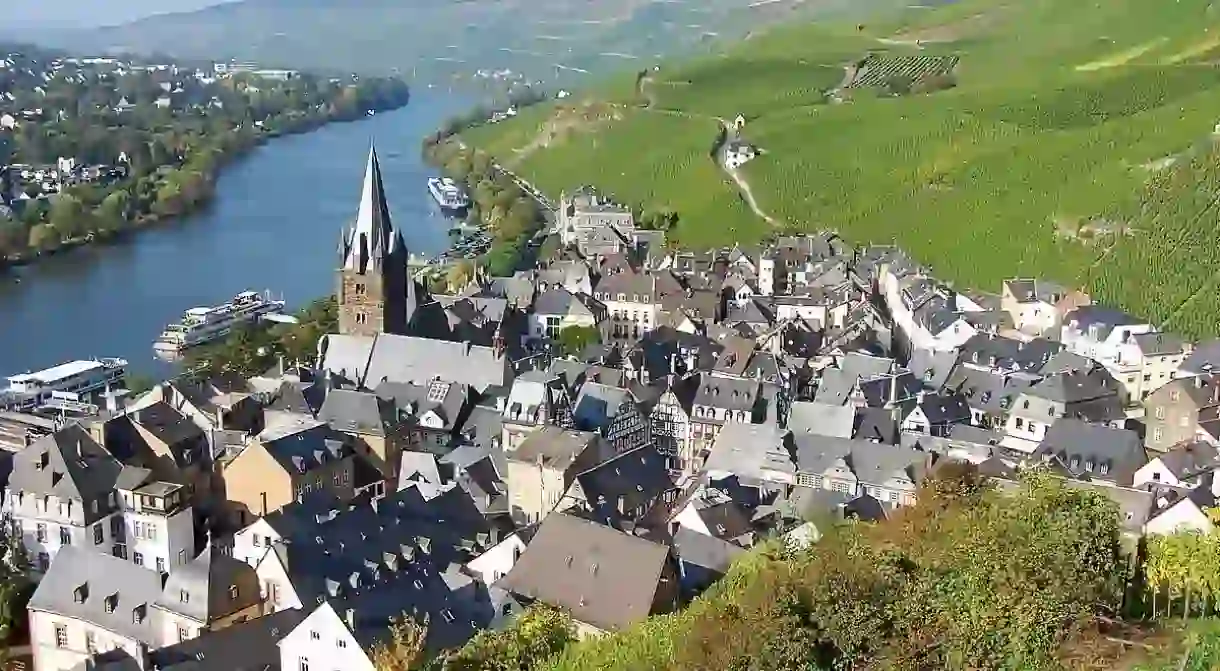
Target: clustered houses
x,y
441,459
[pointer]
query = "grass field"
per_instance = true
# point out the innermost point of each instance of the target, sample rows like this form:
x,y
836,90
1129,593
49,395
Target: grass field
x,y
1076,146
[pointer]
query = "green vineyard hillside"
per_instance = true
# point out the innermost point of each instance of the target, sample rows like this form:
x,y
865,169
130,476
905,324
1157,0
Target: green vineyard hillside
x,y
1066,140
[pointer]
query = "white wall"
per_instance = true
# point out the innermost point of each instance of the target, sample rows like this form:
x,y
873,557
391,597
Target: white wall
x,y
322,642
497,561
50,657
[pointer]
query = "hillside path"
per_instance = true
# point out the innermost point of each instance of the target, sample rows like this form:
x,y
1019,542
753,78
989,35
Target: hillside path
x,y
644,91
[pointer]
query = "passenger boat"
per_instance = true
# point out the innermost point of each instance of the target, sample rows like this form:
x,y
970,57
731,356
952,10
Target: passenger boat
x,y
202,325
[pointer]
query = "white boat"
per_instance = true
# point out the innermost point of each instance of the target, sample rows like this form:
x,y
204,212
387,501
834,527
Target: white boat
x,y
76,378
204,324
447,194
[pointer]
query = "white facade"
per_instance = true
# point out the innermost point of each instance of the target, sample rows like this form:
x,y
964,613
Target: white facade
x,y
251,543
1140,374
323,642
47,523
277,591
498,560
1092,345
61,643
949,339
159,531
766,275
1184,515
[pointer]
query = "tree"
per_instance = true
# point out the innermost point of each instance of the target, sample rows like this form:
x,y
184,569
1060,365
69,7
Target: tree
x,y
69,216
43,236
576,339
404,650
540,632
15,587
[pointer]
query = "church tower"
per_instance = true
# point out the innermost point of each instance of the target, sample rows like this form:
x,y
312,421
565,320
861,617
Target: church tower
x,y
374,290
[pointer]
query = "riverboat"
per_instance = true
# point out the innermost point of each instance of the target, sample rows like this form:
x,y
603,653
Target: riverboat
x,y
201,325
80,379
451,197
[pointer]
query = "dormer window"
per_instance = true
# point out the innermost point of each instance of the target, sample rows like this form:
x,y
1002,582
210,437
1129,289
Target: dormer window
x,y
183,596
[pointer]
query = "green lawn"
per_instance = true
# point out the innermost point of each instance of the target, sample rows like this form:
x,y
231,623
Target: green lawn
x,y
1063,126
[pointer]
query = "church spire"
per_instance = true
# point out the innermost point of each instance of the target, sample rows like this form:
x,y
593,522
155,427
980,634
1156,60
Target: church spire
x,y
372,238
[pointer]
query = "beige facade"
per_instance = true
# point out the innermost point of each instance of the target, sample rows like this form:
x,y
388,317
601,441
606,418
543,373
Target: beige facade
x,y
256,483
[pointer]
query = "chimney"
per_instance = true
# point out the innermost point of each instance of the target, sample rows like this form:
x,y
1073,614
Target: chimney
x,y
350,617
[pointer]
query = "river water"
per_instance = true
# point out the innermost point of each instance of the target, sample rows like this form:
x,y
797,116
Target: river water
x,y
275,224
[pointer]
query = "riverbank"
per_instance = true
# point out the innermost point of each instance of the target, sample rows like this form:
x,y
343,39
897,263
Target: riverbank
x,y
273,224
509,213
180,188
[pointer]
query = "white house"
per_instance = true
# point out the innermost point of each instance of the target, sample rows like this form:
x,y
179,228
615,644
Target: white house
x,y
323,641
1147,361
929,316
737,154
499,558
67,490
558,309
1180,512
1099,333
90,603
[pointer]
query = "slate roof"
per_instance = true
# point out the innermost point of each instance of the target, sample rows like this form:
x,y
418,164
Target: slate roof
x,y
752,452
598,405
705,551
1008,354
445,399
1190,460
932,368
617,487
209,587
1161,344
1204,359
1092,450
67,464
393,555
604,577
555,447
1104,318
369,361
876,424
823,419
252,645
942,410
186,441
101,590
729,393
1031,291
560,302
304,447
356,412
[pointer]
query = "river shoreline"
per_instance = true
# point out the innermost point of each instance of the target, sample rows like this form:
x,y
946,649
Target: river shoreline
x,y
274,224
135,226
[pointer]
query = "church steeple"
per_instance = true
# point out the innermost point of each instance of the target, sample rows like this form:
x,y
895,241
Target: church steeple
x,y
371,240
374,289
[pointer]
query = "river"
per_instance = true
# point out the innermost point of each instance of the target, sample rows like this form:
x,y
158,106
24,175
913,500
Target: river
x,y
275,224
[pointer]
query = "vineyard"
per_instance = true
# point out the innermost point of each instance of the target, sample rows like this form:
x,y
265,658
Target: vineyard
x,y
1065,114
877,71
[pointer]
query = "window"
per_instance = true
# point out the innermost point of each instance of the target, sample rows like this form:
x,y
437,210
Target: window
x,y
137,558
1184,421
1160,412
341,643
90,643
94,506
315,636
1174,395
40,532
99,534
362,318
183,634
303,664
151,532
1157,433
61,636
1020,423
184,596
160,565
360,290
233,592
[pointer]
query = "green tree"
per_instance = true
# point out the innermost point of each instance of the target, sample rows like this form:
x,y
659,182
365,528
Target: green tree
x,y
15,586
69,216
576,339
43,236
537,634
